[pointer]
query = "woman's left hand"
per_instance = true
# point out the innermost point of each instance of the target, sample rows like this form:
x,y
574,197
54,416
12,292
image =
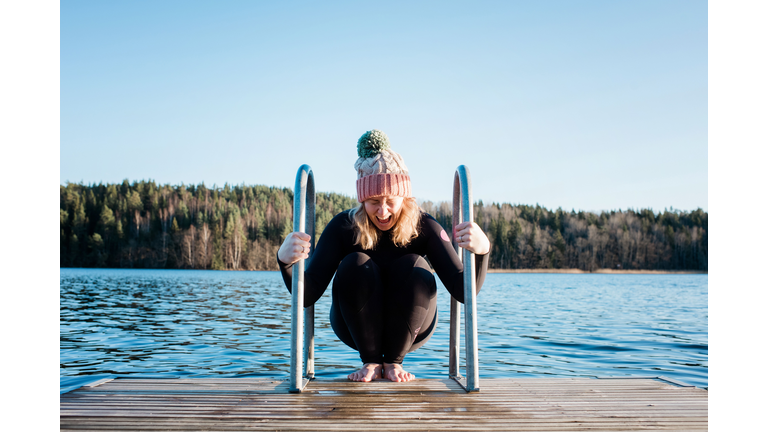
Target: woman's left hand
x,y
472,238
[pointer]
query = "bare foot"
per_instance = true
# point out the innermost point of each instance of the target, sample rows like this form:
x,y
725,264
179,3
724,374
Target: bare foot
x,y
395,372
369,372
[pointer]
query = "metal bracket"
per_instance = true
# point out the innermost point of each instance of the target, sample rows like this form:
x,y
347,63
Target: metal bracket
x,y
300,388
462,381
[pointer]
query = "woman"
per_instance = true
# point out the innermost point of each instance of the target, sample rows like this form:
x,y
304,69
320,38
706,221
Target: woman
x,y
384,297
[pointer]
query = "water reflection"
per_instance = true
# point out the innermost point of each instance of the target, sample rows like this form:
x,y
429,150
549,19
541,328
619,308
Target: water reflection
x,y
157,323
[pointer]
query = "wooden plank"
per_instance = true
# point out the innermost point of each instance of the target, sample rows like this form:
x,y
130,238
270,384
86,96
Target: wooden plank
x,y
360,423
213,425
265,404
384,424
389,408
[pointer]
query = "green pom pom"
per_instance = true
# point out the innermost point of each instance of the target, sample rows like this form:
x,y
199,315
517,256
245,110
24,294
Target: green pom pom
x,y
372,143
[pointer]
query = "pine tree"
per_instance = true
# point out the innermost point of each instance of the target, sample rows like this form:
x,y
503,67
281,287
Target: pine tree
x,y
148,225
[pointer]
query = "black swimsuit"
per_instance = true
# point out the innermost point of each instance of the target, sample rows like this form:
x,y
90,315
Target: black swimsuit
x,y
384,300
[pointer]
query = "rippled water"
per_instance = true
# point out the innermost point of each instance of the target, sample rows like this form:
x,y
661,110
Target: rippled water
x,y
188,323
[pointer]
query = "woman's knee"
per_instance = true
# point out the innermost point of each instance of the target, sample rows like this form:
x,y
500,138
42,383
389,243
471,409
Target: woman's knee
x,y
356,277
413,271
356,266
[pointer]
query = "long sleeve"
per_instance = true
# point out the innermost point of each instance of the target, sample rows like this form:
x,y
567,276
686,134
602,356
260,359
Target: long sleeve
x,y
446,262
320,268
337,241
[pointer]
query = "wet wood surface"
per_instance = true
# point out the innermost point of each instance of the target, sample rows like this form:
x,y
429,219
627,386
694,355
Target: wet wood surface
x,y
524,404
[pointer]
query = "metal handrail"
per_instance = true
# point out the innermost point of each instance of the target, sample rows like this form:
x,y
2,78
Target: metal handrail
x,y
462,212
302,325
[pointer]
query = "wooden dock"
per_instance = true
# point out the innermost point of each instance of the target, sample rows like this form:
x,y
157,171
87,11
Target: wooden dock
x,y
524,404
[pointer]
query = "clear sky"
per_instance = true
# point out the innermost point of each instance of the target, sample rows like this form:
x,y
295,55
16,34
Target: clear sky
x,y
87,102
591,105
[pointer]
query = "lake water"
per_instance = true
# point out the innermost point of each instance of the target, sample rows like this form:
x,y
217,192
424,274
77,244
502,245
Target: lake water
x,y
190,323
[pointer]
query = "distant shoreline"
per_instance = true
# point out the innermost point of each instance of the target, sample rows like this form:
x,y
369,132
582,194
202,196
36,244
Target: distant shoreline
x,y
599,271
560,271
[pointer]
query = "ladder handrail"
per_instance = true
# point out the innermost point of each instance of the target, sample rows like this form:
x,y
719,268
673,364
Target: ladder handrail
x,y
463,212
302,324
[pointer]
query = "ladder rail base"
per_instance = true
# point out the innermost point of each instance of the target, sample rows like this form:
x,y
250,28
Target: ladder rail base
x,y
463,383
304,382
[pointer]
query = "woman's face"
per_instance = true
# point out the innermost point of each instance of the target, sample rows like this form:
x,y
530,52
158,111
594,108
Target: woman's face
x,y
383,211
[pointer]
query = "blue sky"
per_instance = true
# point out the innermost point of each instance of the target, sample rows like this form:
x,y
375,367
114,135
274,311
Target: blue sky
x,y
59,89
592,105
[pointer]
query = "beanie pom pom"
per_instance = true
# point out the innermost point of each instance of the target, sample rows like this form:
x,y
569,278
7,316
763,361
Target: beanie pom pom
x,y
372,143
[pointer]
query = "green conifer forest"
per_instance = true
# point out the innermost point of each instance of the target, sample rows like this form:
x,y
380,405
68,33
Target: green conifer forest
x,y
146,225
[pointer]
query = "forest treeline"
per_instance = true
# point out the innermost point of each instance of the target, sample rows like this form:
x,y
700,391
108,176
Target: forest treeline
x,y
146,225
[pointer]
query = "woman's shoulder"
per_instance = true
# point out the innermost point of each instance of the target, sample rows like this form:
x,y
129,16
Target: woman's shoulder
x,y
427,223
343,220
344,212
426,217
431,232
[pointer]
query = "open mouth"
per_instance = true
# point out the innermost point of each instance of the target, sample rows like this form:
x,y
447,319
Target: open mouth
x,y
384,221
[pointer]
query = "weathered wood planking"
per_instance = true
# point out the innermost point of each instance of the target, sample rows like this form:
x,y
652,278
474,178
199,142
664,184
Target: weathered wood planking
x,y
526,404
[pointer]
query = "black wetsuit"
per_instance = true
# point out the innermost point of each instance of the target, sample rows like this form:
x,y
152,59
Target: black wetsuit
x,y
384,300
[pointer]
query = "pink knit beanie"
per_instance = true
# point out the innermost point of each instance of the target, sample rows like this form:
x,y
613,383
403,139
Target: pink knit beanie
x,y
380,171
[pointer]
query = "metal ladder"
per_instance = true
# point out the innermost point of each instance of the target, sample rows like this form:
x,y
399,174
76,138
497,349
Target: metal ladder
x,y
303,324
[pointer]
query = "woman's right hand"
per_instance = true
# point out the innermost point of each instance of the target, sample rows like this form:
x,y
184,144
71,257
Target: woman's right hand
x,y
295,247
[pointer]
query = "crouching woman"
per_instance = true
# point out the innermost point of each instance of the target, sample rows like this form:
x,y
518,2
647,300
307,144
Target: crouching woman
x,y
384,295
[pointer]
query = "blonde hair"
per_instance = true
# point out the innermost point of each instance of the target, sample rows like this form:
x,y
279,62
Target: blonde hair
x,y
406,226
